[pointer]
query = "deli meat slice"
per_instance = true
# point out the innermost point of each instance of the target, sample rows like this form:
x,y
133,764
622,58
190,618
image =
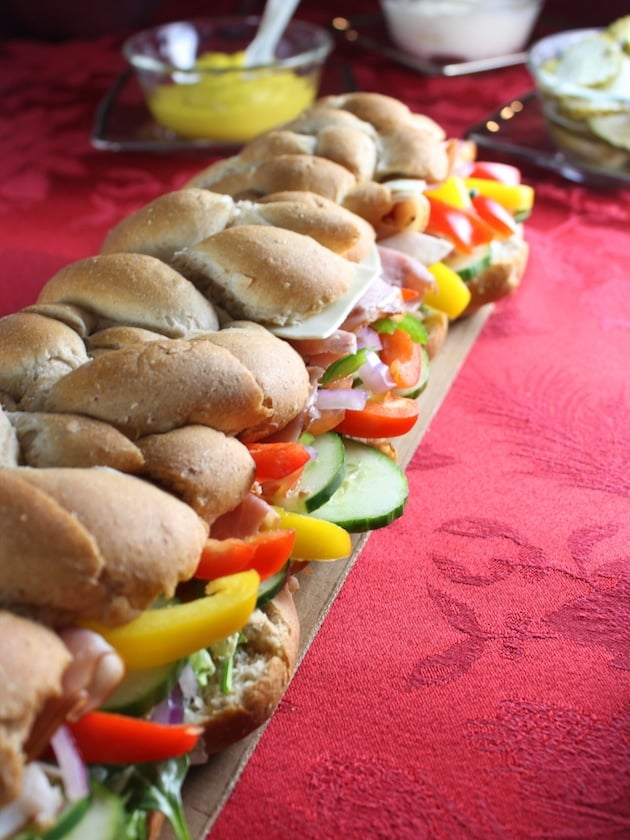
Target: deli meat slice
x,y
381,298
400,269
339,343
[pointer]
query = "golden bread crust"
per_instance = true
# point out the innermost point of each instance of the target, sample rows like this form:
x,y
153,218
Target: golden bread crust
x,y
115,338
265,274
502,277
71,440
93,543
263,668
132,290
207,469
169,223
328,223
36,351
302,172
278,369
157,386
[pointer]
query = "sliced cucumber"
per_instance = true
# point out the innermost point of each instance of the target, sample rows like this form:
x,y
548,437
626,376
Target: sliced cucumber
x,y
269,588
469,266
321,476
373,493
102,821
141,690
99,816
66,821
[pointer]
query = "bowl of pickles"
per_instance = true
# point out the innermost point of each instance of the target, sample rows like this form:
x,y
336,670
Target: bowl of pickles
x,y
582,79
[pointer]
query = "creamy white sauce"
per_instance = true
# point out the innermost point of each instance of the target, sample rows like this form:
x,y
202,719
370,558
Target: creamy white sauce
x,y
460,29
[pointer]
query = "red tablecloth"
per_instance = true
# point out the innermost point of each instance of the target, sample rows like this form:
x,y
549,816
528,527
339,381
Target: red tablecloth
x,y
471,679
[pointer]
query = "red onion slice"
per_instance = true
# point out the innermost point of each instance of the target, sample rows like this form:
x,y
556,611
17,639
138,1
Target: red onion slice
x,y
368,337
339,398
375,374
74,773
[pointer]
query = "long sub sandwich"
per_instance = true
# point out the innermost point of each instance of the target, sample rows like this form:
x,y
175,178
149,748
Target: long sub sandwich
x,y
237,350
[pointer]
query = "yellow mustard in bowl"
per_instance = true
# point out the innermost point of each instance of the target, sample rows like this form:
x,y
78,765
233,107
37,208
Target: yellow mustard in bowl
x,y
231,105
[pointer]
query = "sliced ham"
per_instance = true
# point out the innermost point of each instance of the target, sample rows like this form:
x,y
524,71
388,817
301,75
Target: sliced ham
x,y
380,299
245,520
401,270
340,343
94,673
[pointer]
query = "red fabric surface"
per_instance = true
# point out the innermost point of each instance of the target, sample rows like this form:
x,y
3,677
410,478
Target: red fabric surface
x,y
471,679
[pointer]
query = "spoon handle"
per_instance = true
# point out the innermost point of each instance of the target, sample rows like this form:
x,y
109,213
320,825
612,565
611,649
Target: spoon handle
x,y
274,20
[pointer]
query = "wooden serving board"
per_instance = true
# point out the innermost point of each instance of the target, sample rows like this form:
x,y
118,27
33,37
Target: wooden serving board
x,y
208,787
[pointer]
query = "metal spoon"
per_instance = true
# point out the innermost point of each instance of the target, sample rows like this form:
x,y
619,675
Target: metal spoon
x,y
275,18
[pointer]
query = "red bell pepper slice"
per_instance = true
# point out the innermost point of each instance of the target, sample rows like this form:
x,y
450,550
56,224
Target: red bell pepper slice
x,y
277,460
382,417
110,738
493,171
266,553
496,215
463,227
403,356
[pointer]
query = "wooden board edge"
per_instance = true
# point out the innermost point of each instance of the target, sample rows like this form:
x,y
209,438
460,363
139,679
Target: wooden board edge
x,y
209,786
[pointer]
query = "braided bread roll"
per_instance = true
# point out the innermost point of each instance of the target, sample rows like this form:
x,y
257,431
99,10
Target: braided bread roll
x,y
344,148
115,543
185,217
120,362
134,290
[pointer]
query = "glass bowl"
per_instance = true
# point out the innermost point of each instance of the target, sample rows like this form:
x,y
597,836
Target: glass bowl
x,y
458,29
195,86
582,79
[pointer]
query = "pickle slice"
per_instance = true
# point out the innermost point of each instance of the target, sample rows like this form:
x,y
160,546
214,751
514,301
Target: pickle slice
x,y
614,128
593,61
620,31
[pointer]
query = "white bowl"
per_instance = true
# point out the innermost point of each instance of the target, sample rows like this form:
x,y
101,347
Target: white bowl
x,y
463,30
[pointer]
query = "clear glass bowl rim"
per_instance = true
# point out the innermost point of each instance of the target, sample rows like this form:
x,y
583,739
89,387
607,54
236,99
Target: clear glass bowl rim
x,y
142,62
548,47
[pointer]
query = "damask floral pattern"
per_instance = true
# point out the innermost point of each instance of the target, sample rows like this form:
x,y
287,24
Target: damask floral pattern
x,y
472,678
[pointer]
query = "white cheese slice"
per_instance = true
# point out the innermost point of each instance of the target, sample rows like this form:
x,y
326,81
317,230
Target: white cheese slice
x,y
324,323
406,187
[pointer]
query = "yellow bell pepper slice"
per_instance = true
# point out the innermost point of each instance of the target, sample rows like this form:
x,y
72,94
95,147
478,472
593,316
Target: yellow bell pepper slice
x,y
451,294
163,635
517,198
453,191
315,539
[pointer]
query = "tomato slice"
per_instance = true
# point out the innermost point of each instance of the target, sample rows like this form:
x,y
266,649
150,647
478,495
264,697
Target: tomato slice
x,y
382,417
265,552
496,215
403,356
277,460
464,228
